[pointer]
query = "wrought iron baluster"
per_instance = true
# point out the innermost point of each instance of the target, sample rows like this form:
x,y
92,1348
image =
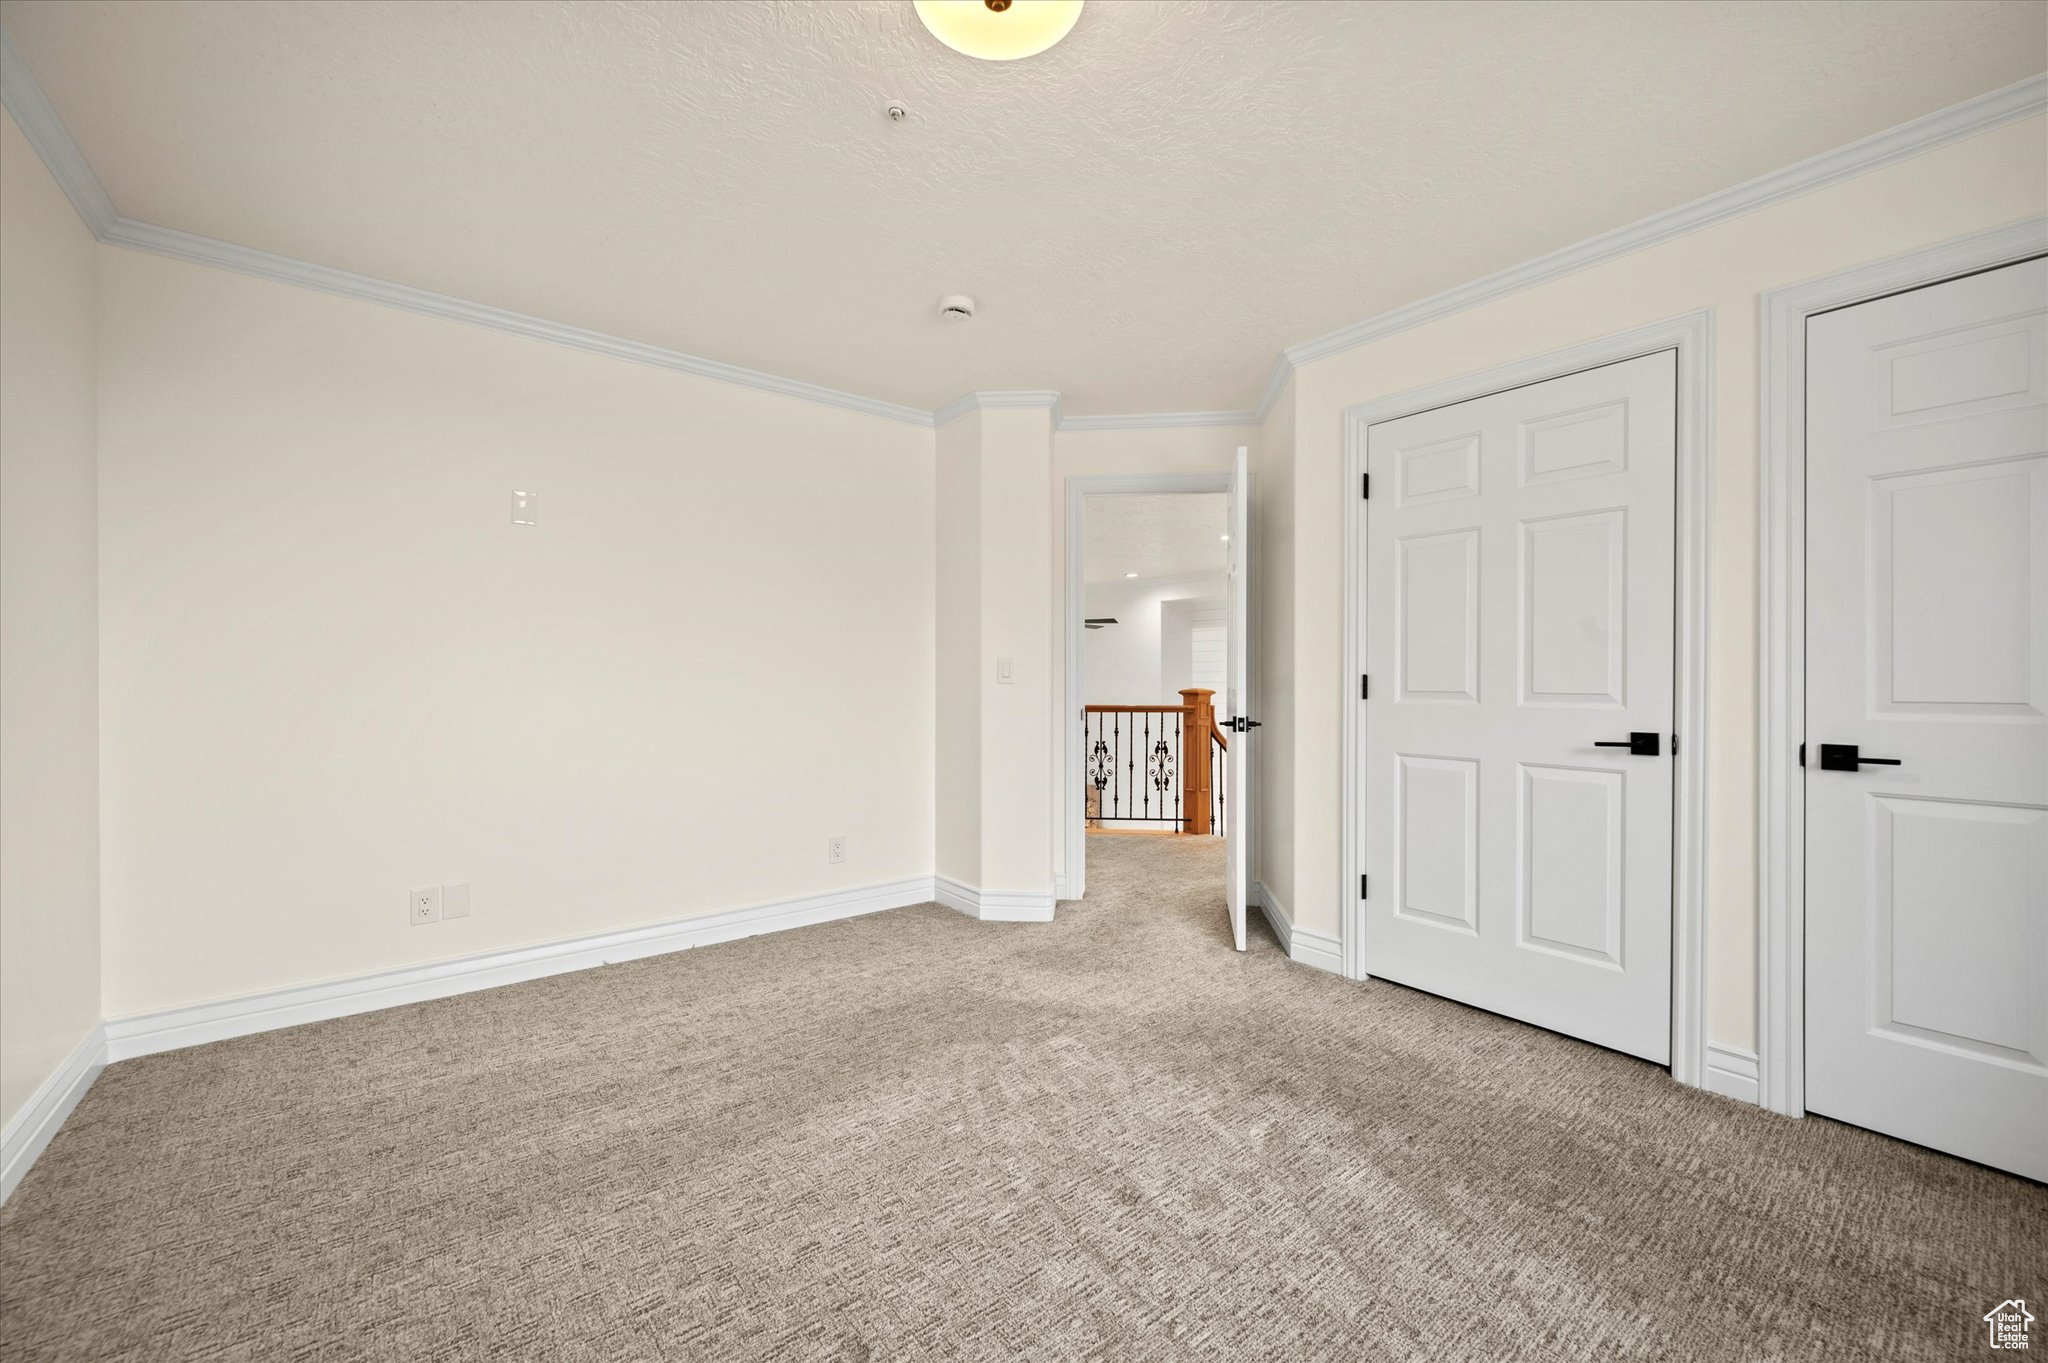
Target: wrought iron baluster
x,y
1223,780
1095,773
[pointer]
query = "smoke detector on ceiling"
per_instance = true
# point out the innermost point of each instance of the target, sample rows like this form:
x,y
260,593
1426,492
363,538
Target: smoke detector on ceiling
x,y
956,307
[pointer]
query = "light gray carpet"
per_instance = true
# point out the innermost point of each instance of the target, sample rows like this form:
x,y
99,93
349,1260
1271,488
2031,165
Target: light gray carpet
x,y
915,1136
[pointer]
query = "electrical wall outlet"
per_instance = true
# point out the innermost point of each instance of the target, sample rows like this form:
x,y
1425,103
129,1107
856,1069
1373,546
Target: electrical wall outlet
x,y
455,900
835,850
426,905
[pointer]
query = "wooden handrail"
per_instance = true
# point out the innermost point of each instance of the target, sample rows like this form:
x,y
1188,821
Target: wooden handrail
x,y
1136,709
1217,734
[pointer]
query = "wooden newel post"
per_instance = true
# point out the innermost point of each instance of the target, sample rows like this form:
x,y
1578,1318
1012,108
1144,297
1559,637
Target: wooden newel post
x,y
1199,717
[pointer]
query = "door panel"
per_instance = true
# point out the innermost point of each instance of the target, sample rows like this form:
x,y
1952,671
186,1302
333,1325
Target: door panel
x,y
1439,874
1571,858
1439,625
1519,588
1957,535
1574,628
1927,644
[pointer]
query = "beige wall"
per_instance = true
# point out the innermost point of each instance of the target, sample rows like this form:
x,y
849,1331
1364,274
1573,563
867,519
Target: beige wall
x,y
332,669
1987,181
957,546
329,669
994,546
1016,730
1167,450
49,722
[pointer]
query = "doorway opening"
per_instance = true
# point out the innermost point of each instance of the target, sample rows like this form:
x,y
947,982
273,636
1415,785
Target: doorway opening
x,y
1156,734
1154,664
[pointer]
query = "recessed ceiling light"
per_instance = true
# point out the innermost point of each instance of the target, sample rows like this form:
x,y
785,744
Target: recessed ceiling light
x,y
998,30
1130,574
1225,539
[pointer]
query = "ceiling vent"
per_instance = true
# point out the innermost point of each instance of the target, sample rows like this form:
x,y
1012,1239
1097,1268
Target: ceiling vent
x,y
956,308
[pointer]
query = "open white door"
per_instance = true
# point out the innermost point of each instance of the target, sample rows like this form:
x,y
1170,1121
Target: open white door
x,y
1237,820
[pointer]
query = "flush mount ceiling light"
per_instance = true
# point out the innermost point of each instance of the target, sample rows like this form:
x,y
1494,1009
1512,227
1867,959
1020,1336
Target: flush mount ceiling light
x,y
998,30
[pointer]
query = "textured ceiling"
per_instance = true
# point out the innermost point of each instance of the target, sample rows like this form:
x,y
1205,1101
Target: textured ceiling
x,y
1147,213
1172,534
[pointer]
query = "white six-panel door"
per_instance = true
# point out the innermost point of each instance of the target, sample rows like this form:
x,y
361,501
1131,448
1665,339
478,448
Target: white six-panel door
x,y
1519,581
1927,646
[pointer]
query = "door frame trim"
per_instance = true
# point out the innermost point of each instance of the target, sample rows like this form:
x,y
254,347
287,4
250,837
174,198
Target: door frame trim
x,y
1074,883
1781,622
1692,336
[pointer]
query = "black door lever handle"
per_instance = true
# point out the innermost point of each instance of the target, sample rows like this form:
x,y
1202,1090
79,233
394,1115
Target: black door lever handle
x,y
1638,743
1844,757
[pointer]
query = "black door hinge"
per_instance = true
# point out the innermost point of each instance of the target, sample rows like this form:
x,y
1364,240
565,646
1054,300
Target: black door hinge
x,y
1802,754
1361,887
1364,686
1365,486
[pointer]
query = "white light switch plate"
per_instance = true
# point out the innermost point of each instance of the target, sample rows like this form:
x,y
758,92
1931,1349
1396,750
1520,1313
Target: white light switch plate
x,y
1006,671
525,508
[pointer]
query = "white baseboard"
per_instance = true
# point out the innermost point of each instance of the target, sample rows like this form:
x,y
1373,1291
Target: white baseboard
x,y
1059,887
1731,1072
993,906
1303,946
26,1136
146,1033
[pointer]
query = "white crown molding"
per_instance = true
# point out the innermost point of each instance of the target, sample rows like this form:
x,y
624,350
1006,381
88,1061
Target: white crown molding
x,y
1276,384
29,1133
53,142
165,241
1157,421
172,1028
955,409
993,906
1979,115
39,122
990,400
